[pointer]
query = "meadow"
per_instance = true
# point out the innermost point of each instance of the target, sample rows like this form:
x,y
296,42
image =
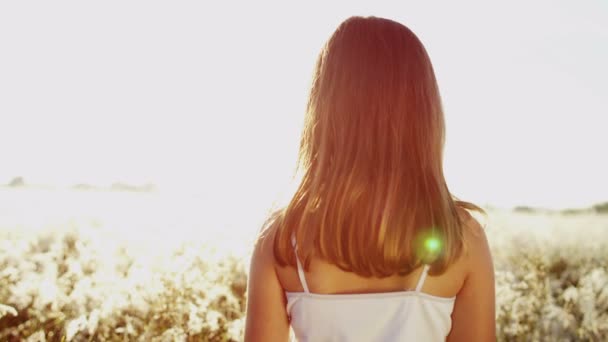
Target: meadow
x,y
103,266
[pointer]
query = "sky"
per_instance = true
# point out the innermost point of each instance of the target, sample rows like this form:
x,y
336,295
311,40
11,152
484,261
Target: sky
x,y
210,97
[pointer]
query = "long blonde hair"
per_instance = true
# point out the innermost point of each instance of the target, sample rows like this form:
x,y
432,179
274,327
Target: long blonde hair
x,y
373,199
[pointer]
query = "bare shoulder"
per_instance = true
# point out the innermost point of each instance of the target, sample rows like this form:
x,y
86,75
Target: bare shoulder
x,y
474,234
475,302
266,317
264,243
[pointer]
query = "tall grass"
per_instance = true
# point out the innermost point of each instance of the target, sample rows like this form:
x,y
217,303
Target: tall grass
x,y
75,281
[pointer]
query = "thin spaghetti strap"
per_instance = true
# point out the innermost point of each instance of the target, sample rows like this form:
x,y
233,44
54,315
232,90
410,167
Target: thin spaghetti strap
x,y
422,277
300,268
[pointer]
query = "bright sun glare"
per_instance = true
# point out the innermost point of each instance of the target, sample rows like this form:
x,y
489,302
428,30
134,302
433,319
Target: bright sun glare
x,y
174,101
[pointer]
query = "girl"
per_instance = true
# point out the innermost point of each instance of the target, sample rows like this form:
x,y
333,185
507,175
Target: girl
x,y
372,246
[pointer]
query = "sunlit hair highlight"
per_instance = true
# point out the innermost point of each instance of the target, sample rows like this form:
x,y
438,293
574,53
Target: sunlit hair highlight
x,y
372,189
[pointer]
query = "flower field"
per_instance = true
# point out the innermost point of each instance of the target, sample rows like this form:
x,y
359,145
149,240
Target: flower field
x,y
73,273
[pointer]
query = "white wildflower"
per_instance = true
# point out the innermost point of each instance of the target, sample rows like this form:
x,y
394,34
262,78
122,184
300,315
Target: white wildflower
x,y
173,335
570,294
195,322
237,328
598,279
48,291
7,310
10,273
212,319
38,336
93,321
75,326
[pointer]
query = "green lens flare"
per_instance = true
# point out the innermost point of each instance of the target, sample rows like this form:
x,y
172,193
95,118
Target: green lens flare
x,y
432,244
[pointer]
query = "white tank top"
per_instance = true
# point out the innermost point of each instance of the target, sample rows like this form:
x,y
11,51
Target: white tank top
x,y
386,316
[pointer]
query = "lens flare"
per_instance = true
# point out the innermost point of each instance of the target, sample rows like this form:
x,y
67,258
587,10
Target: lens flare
x,y
432,244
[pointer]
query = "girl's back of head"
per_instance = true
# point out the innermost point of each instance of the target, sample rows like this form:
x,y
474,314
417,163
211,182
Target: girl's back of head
x,y
373,198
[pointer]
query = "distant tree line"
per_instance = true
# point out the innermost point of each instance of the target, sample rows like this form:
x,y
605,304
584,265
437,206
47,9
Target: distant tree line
x,y
601,208
17,181
118,186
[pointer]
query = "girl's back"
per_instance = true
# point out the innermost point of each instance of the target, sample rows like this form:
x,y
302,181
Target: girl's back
x,y
325,278
327,301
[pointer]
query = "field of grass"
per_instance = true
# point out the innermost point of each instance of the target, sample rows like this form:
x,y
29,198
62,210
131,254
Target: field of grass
x,y
83,278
